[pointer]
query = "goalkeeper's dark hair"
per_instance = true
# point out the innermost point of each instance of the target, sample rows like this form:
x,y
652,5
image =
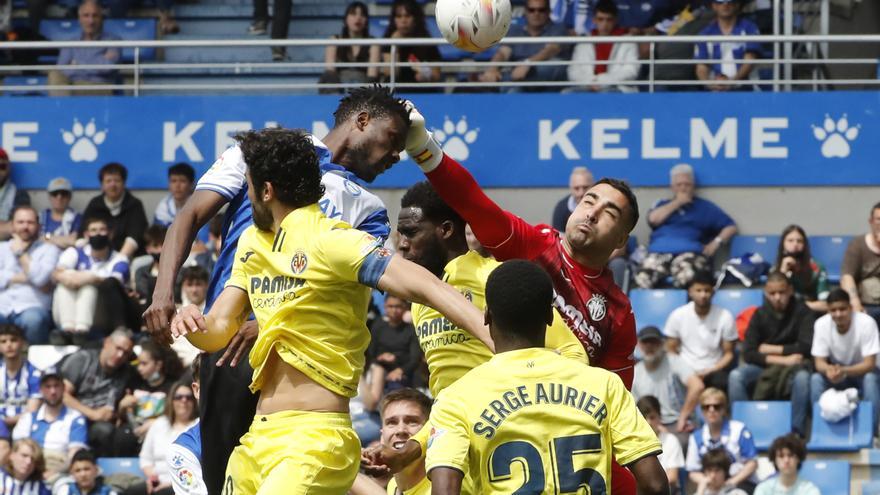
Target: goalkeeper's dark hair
x,y
519,298
623,188
378,101
422,195
285,158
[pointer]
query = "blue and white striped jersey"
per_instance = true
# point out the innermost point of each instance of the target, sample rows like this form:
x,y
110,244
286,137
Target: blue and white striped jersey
x,y
68,430
18,389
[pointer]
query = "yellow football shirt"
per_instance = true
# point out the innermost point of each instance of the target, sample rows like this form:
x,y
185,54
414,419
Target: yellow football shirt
x,y
308,288
450,351
539,424
422,488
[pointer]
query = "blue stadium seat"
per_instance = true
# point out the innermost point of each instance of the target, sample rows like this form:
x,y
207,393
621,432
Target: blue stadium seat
x,y
765,245
25,81
849,435
829,250
736,300
60,29
765,419
134,29
113,465
652,306
831,477
871,488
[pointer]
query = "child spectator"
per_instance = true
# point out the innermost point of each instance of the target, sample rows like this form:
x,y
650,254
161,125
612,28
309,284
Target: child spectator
x,y
716,464
20,391
84,469
672,458
23,471
60,223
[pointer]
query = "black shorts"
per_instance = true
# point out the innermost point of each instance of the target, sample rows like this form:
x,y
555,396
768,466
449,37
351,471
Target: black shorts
x,y
226,409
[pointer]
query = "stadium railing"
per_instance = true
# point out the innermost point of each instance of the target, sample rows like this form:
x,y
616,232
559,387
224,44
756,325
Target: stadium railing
x,y
775,68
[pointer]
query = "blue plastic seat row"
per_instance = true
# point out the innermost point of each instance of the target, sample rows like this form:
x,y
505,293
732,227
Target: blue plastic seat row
x,y
827,249
126,29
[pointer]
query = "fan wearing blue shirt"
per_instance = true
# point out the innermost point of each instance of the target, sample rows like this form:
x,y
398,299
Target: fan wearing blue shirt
x,y
84,470
20,384
727,61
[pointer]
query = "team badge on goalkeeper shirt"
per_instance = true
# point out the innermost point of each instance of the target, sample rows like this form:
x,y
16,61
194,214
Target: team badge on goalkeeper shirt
x,y
596,305
299,262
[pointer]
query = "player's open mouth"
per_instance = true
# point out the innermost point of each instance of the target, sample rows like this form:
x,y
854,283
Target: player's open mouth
x,y
399,445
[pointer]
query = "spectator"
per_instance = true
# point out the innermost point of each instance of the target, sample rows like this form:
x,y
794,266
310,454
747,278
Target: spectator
x,y
26,264
91,21
60,223
10,196
181,181
128,221
84,470
145,276
719,432
94,382
23,471
807,275
166,25
672,458
59,431
787,453
579,181
394,345
621,60
356,25
687,232
640,16
860,272
778,339
185,455
280,23
181,414
538,24
194,286
845,347
668,378
81,273
207,258
703,334
364,407
407,20
574,15
21,379
732,55
715,475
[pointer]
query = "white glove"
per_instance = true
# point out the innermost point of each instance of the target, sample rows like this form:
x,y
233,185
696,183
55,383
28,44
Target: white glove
x,y
420,144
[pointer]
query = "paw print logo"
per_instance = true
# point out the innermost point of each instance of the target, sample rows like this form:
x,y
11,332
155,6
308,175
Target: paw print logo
x,y
454,138
836,136
83,140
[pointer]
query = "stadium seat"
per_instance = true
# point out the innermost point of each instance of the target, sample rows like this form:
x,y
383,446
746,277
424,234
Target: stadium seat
x,y
871,488
765,245
765,419
849,435
652,306
736,300
831,477
25,81
829,250
134,29
114,465
60,29
46,356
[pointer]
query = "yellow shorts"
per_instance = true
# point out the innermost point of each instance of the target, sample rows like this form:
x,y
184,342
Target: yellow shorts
x,y
296,453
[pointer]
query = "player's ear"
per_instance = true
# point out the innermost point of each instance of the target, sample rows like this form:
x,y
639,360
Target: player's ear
x,y
362,120
447,229
268,191
622,241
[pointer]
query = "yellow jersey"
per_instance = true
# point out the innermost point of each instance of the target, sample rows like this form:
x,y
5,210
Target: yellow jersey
x,y
308,288
539,424
450,351
422,488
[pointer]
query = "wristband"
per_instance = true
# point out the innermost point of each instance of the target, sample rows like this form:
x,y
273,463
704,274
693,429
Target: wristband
x,y
428,156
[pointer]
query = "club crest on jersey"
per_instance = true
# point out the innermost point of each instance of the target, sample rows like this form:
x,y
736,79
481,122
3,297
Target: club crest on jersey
x,y
596,306
435,433
299,262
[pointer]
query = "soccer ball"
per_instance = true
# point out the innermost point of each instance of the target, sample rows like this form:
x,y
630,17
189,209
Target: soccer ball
x,y
473,25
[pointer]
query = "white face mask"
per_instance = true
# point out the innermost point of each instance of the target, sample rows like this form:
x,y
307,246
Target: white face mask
x,y
155,377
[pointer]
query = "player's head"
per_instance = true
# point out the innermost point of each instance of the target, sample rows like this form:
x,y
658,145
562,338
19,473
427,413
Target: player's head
x,y
11,341
519,304
373,123
282,170
84,469
778,291
716,466
602,221
404,411
787,453
430,233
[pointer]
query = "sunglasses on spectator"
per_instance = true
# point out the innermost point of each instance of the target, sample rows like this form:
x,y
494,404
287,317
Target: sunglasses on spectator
x,y
540,10
59,193
715,407
184,397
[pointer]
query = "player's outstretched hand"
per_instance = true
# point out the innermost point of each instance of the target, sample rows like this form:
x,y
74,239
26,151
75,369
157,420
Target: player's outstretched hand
x,y
240,344
158,318
386,459
188,320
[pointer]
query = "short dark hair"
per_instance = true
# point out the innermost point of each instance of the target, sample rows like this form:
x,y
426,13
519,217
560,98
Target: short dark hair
x,y
11,330
623,188
24,207
423,195
113,168
791,442
838,295
98,217
194,273
702,277
286,158
519,296
409,395
648,404
875,207
184,169
155,234
778,277
377,100
196,368
718,459
607,7
84,455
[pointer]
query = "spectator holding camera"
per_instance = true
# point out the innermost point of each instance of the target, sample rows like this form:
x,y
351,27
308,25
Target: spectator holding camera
x,y
808,276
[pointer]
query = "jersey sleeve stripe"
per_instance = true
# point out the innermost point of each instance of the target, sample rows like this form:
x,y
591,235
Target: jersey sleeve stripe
x,y
225,192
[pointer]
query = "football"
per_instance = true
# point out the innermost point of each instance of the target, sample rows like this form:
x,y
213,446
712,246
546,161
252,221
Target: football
x,y
473,25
